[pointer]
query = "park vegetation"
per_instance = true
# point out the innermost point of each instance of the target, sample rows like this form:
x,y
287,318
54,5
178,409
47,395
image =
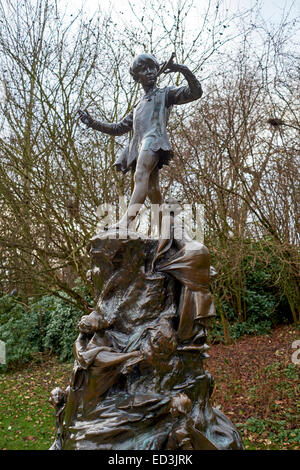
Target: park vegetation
x,y
236,153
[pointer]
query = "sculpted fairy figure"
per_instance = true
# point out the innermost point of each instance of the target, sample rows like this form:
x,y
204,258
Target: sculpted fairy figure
x,y
149,148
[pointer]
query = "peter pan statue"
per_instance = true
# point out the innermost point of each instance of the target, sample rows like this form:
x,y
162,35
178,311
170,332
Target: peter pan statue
x,y
149,148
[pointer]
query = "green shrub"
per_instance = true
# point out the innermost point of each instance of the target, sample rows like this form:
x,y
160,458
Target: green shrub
x,y
61,329
263,301
46,324
9,308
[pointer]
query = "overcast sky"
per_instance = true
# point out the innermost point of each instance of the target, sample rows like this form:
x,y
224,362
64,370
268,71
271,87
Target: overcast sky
x,y
271,9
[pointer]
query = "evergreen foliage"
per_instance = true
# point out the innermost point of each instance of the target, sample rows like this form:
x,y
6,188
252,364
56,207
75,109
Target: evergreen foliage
x,y
47,324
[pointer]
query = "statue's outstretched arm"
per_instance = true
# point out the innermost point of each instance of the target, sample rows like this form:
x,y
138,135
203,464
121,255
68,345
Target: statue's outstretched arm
x,y
119,128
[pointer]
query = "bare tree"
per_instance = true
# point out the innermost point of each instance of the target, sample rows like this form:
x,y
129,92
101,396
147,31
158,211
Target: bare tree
x,y
54,173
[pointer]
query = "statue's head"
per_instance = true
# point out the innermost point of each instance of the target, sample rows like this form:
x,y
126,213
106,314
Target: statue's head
x,y
144,65
57,396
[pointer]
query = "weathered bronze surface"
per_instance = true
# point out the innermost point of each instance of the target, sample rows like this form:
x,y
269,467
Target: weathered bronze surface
x,y
138,380
149,148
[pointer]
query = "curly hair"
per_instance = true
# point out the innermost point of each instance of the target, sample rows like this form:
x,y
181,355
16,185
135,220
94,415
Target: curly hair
x,y
139,60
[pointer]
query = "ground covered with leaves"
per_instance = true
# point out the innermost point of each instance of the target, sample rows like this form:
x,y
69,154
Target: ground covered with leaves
x,y
26,416
256,387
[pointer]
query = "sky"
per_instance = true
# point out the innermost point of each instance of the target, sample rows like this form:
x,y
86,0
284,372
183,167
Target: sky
x,y
271,14
271,9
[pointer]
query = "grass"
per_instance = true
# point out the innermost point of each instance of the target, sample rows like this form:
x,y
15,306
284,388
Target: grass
x,y
256,387
26,416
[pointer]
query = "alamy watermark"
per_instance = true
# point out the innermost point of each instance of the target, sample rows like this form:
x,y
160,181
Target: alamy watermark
x,y
157,220
296,354
2,352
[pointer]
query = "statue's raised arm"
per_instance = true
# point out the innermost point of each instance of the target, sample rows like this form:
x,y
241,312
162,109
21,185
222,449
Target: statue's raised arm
x,y
187,93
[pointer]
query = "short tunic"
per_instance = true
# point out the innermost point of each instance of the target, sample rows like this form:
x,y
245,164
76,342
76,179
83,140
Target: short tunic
x,y
150,116
148,121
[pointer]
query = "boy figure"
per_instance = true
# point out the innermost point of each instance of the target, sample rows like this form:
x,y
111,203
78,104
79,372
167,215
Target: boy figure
x,y
150,147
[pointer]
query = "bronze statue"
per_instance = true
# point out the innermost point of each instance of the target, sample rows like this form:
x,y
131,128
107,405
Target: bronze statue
x,y
58,398
138,381
150,147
